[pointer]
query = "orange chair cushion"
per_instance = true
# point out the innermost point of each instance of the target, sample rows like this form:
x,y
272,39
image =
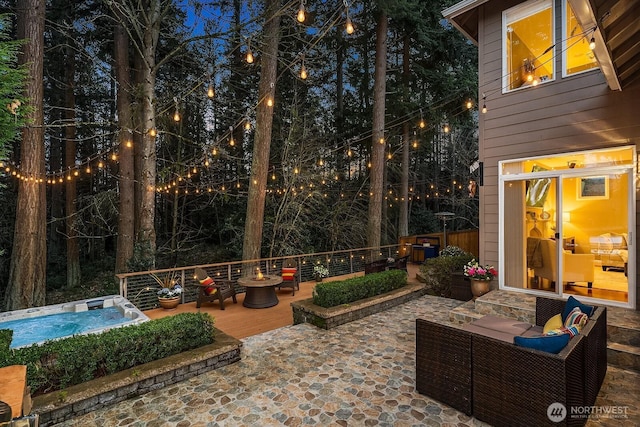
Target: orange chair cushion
x,y
288,273
207,281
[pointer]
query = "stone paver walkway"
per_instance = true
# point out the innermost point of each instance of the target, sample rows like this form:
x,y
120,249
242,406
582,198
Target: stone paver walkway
x,y
359,374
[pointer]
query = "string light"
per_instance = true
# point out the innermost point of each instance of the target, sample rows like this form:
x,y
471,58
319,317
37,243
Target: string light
x,y
210,91
301,15
303,71
446,128
592,43
249,56
469,104
269,102
153,132
484,103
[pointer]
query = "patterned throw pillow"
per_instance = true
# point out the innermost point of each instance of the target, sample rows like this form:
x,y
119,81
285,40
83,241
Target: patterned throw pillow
x,y
208,282
288,273
576,318
571,330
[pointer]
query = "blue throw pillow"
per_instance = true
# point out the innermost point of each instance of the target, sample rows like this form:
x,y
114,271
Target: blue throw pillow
x,y
548,343
573,303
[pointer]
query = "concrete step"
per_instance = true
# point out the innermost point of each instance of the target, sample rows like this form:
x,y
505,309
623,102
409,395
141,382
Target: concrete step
x,y
464,313
516,305
623,356
623,338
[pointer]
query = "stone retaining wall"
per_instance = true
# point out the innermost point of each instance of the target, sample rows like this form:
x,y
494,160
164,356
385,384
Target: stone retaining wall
x,y
326,318
59,406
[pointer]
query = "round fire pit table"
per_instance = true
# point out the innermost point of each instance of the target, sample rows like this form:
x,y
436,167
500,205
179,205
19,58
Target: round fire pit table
x,y
260,293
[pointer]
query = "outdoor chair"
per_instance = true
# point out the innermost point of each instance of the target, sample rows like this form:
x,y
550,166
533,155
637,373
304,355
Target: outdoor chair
x,y
211,290
290,277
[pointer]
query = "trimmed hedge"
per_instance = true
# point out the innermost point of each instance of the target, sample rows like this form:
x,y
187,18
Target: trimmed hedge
x,y
331,294
58,364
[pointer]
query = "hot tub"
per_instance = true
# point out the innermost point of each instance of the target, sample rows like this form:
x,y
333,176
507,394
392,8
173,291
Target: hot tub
x,y
95,315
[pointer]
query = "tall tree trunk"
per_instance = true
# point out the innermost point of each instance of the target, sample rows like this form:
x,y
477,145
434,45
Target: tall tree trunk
x,y
339,118
403,226
27,274
126,214
262,144
378,144
73,252
146,234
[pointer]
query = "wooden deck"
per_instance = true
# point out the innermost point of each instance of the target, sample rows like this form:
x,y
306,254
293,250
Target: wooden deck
x,y
241,322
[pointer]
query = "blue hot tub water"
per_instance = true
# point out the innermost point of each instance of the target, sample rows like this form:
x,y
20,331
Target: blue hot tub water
x,y
29,330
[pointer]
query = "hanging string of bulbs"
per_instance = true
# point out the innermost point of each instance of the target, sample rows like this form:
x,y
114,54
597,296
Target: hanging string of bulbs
x,y
98,159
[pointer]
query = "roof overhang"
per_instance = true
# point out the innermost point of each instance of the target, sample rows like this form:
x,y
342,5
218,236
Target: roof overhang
x,y
464,16
616,30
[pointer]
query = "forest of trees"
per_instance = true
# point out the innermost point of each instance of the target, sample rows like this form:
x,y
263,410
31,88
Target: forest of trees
x,y
145,137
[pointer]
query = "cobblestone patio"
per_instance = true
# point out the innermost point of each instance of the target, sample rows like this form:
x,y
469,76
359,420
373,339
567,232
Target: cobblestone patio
x,y
358,374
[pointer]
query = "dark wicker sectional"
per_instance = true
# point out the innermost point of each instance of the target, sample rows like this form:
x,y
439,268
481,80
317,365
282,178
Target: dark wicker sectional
x,y
506,385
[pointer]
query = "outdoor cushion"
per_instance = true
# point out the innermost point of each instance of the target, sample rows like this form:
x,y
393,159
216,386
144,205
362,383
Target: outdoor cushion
x,y
571,330
573,303
553,323
502,336
502,324
576,318
549,343
288,273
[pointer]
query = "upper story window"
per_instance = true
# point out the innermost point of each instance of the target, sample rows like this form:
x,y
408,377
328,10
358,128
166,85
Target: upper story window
x,y
528,32
578,56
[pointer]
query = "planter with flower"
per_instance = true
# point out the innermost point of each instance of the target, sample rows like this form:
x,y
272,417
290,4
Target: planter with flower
x,y
170,290
480,277
320,272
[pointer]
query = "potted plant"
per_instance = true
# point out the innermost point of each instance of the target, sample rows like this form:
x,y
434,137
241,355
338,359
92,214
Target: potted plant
x,y
170,290
320,272
480,276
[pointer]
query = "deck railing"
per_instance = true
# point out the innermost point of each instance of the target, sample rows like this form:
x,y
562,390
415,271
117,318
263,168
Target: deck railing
x,y
140,288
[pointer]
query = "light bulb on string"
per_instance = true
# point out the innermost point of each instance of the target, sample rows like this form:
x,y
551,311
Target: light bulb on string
x,y
592,43
176,115
422,124
469,104
484,103
249,56
153,132
129,144
210,92
484,108
247,124
303,72
446,128
349,26
301,15
269,102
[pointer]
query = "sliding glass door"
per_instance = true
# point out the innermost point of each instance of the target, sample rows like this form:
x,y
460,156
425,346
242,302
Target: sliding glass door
x,y
567,230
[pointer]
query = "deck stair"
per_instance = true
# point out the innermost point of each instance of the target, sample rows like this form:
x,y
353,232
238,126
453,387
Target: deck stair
x,y
623,325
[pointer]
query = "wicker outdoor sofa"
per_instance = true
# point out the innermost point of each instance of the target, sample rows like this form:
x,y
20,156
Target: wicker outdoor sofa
x,y
507,385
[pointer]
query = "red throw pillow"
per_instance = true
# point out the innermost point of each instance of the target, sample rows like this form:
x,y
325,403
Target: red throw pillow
x,y
210,290
288,273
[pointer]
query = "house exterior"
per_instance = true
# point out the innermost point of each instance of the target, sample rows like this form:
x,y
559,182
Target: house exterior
x,y
560,81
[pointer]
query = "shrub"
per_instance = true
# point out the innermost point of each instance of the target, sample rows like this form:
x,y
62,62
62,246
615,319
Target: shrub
x,y
6,335
331,294
58,364
437,271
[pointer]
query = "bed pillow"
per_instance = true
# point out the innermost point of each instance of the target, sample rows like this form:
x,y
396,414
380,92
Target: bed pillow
x,y
573,303
549,343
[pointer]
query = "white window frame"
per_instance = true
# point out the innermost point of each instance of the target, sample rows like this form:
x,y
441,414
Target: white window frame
x,y
566,43
517,13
